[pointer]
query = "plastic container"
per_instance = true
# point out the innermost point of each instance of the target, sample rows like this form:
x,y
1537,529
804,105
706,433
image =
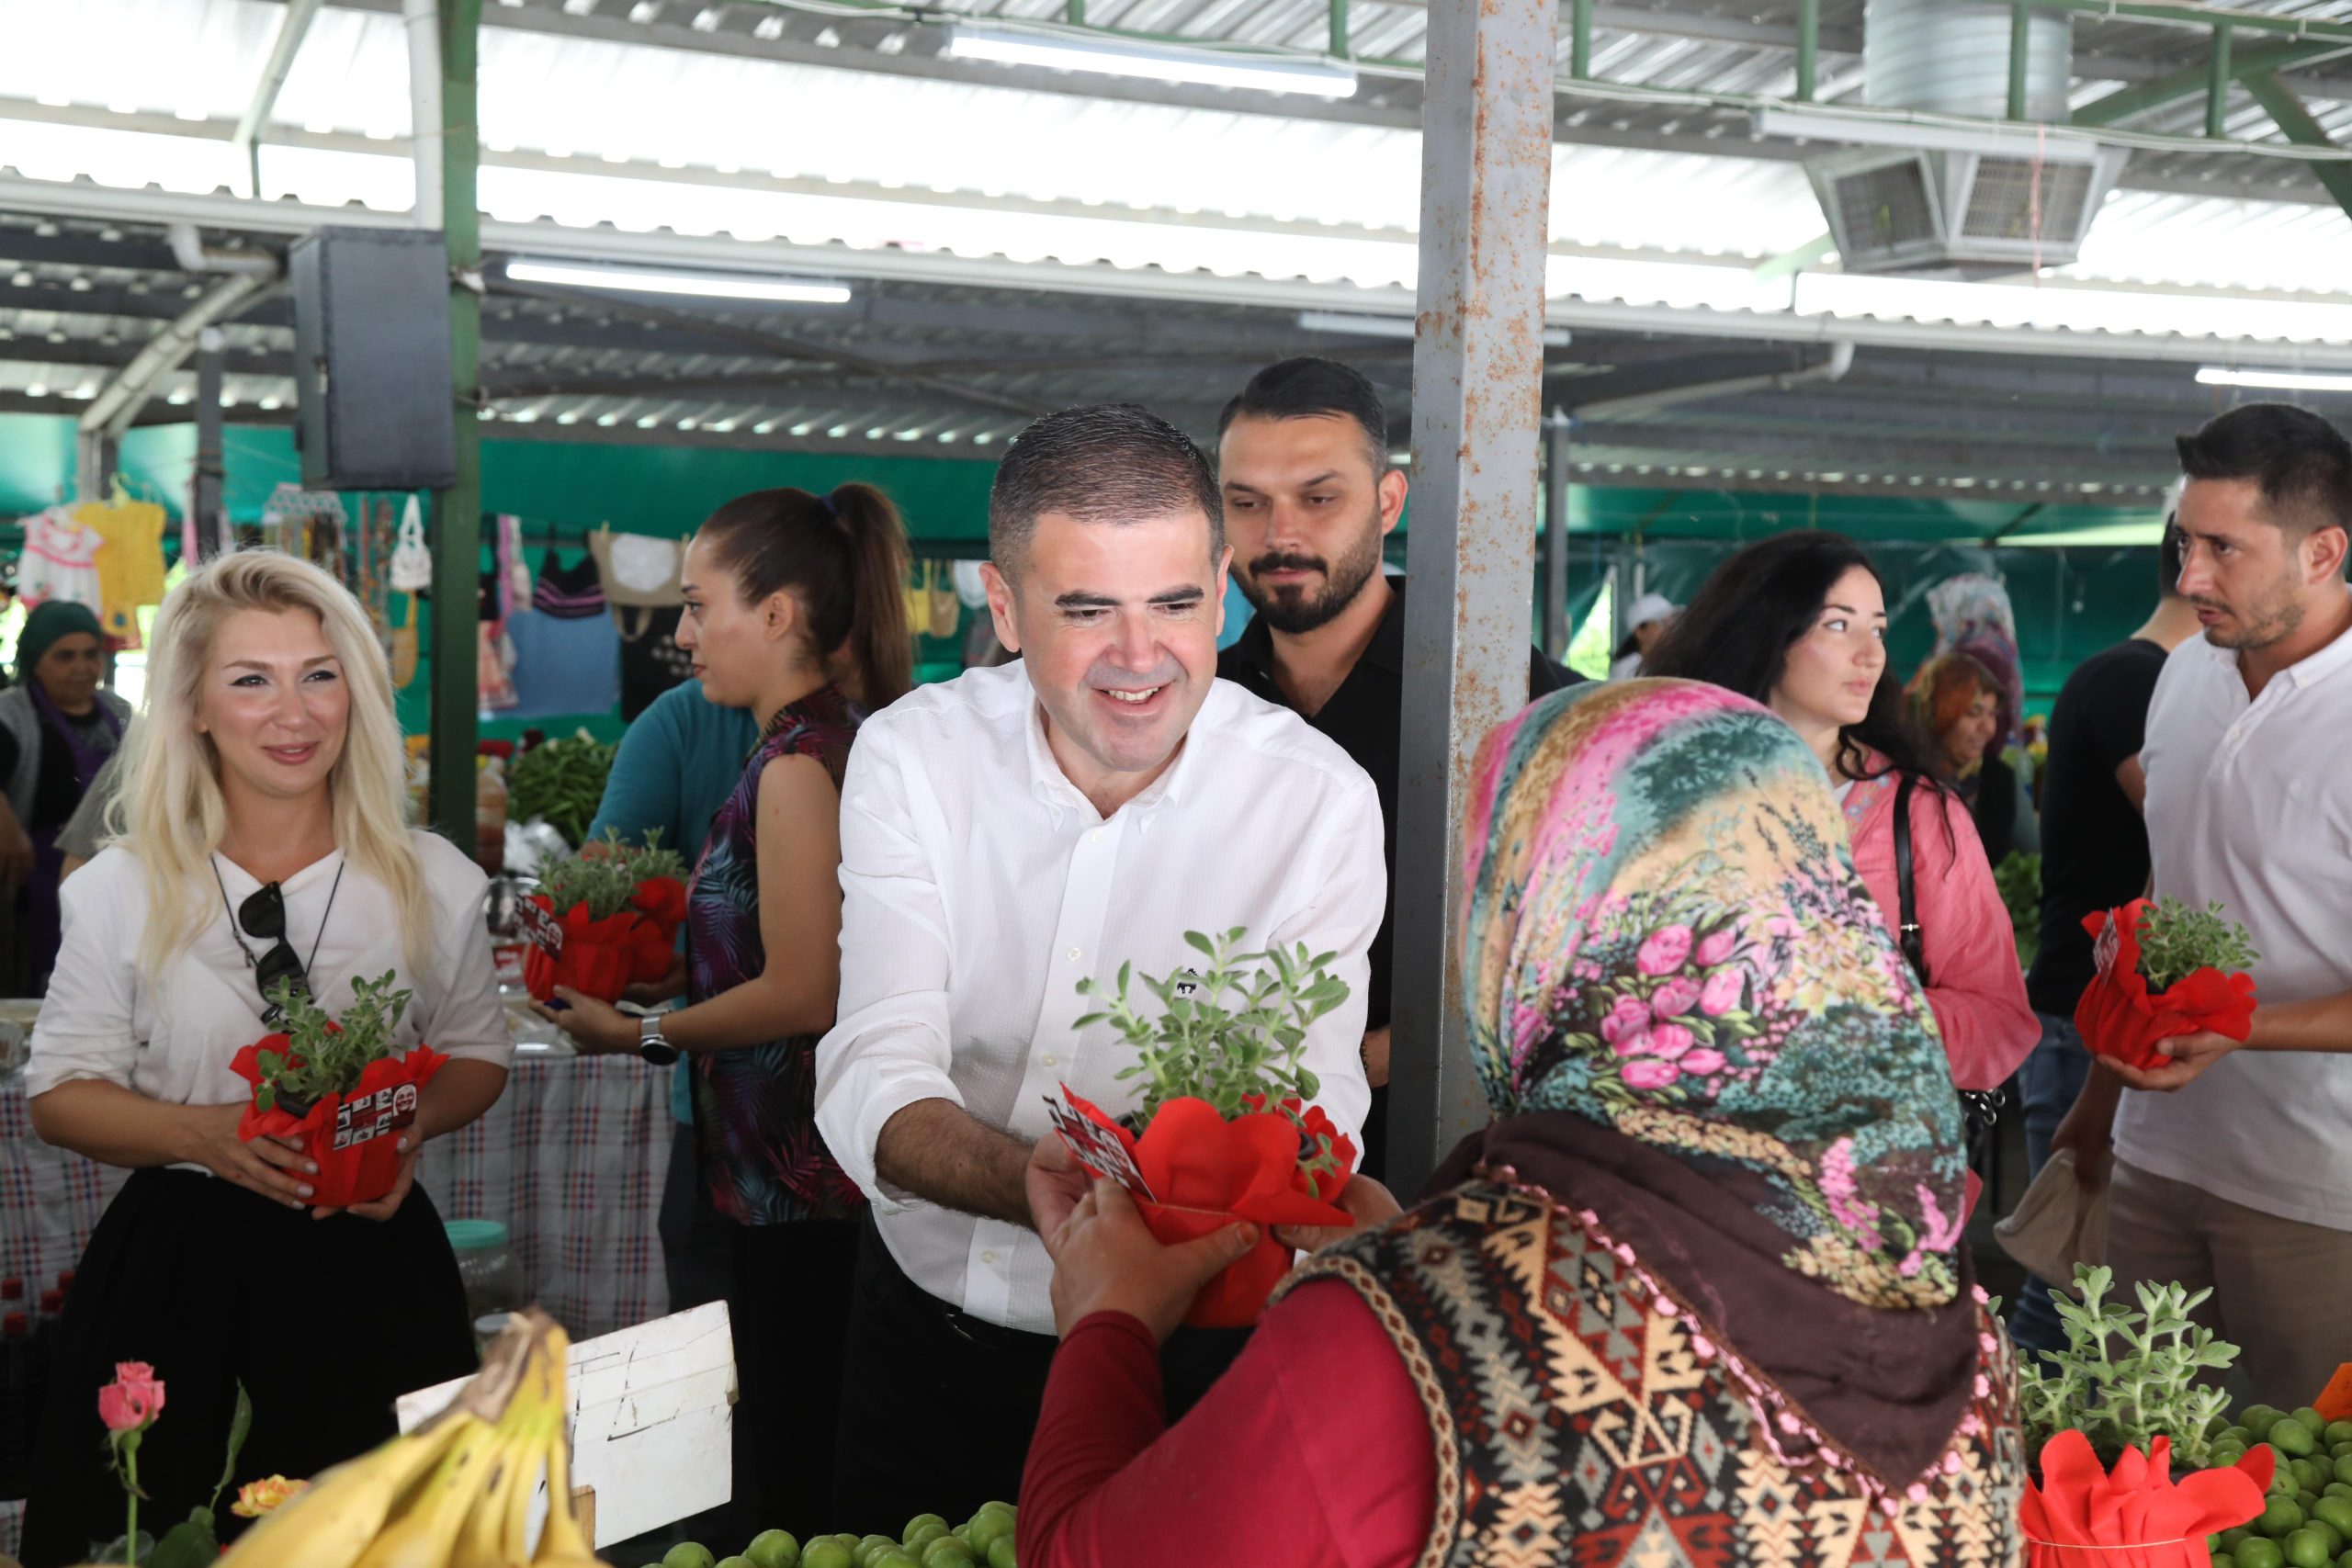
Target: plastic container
x,y
493,1281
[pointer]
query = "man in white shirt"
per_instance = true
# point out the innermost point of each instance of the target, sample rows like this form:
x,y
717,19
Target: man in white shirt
x,y
1006,835
2241,1180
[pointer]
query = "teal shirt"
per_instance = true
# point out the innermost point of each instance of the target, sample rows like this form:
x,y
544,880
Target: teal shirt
x,y
677,764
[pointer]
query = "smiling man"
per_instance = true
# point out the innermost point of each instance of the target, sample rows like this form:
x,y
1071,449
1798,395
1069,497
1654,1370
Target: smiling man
x,y
1006,835
1309,496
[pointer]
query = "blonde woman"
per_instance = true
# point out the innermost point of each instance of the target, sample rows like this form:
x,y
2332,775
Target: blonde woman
x,y
261,834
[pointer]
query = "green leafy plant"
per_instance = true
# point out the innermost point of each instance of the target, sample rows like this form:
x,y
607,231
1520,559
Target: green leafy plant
x,y
2127,1378
325,1056
2176,940
1230,1033
561,781
2020,879
605,874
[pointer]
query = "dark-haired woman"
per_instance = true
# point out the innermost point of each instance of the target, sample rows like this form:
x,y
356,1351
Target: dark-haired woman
x,y
795,610
1799,624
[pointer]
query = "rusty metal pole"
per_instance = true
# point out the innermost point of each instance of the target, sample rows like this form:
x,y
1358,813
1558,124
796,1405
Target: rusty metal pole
x,y
1477,401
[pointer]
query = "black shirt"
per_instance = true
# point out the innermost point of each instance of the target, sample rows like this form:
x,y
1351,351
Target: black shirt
x,y
55,790
1366,717
2094,841
1995,809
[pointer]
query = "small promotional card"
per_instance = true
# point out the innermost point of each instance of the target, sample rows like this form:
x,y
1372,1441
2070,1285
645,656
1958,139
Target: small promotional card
x,y
539,928
367,1117
1097,1145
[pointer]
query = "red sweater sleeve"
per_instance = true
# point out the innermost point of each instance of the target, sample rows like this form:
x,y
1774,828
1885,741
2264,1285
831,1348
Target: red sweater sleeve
x,y
1978,990
1313,1450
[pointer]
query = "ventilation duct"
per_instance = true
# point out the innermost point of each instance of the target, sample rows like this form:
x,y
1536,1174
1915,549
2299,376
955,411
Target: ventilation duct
x,y
1960,203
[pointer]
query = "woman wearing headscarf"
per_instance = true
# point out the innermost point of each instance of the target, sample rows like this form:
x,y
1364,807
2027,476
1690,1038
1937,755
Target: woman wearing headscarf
x,y
58,725
1693,1295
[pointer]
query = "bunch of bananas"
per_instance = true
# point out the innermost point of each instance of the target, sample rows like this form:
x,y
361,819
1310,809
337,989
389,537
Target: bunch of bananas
x,y
457,1492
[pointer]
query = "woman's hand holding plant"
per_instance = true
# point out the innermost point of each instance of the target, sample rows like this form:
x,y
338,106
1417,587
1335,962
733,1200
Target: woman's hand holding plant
x,y
266,1166
1106,1259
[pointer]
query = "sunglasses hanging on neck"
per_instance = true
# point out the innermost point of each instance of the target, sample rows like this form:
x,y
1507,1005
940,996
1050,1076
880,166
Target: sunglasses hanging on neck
x,y
262,917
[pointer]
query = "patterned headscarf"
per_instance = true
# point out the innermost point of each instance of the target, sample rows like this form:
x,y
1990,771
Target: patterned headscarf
x,y
1666,936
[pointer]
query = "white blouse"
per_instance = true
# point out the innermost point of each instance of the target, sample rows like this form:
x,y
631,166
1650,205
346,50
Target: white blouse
x,y
173,1041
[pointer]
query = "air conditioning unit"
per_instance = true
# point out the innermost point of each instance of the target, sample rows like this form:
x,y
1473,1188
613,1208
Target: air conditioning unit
x,y
1962,213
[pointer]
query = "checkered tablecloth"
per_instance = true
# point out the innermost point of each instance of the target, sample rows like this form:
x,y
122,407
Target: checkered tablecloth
x,y
570,1159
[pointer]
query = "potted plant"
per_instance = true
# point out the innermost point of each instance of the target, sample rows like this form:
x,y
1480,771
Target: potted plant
x,y
2164,970
606,920
2106,1417
333,1088
1227,1129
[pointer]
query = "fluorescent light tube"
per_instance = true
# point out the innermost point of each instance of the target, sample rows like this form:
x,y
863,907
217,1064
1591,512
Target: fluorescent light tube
x,y
2281,380
1346,325
703,284
1886,127
1159,63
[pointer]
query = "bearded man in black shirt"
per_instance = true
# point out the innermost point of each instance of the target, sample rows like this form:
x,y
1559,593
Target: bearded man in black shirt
x,y
1310,496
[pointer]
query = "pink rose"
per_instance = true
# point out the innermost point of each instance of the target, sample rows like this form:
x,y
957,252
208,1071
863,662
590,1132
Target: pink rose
x,y
1664,952
1635,1042
1650,1073
1676,997
1702,1064
132,1400
1630,1013
1718,949
1721,992
1670,1041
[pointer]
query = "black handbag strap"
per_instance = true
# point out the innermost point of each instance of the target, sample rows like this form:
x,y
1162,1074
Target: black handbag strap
x,y
1915,951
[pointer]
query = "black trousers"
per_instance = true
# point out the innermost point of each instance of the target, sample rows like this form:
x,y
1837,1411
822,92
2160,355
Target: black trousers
x,y
698,1241
788,1302
326,1322
938,1406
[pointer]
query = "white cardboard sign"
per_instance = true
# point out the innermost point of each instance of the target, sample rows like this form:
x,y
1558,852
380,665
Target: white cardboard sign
x,y
652,1410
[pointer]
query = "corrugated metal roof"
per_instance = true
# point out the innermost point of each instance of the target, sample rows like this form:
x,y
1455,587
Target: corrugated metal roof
x,y
663,119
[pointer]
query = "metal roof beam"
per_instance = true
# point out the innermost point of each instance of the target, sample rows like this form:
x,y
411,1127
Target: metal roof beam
x,y
778,344
291,28
2297,124
2182,86
118,402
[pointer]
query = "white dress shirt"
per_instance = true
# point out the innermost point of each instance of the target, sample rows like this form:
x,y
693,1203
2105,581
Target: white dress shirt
x,y
172,1040
2250,802
979,886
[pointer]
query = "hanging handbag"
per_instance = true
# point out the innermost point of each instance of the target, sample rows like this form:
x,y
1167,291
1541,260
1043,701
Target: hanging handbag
x,y
411,562
1980,1107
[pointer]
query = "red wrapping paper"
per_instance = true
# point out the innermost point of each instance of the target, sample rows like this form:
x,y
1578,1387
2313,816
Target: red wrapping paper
x,y
1206,1173
2118,1017
603,958
2081,1517
352,1138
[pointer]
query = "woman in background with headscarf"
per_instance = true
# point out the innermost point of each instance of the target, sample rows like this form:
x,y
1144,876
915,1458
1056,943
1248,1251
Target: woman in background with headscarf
x,y
1955,702
58,725
1699,1282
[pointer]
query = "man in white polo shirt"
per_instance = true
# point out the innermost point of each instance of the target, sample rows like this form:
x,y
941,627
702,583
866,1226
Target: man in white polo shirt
x,y
1004,836
2241,1178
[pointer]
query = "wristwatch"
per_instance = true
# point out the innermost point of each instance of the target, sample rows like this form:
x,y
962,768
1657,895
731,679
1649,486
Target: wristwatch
x,y
652,1044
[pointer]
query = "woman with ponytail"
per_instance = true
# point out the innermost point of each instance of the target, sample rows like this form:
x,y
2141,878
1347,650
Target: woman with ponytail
x,y
795,610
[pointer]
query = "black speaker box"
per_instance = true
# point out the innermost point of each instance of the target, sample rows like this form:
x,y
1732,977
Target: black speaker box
x,y
371,360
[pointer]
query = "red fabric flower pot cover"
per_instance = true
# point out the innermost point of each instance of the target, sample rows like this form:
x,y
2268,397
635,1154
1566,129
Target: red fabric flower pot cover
x,y
1209,1173
603,958
2119,1016
2081,1517
352,1138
